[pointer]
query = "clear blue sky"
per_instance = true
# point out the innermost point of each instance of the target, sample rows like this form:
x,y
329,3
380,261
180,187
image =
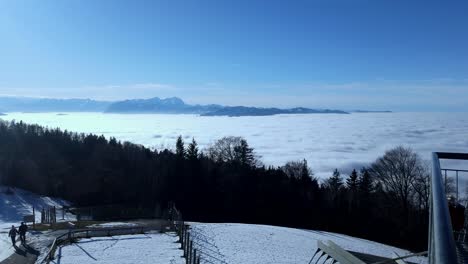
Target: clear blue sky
x,y
399,55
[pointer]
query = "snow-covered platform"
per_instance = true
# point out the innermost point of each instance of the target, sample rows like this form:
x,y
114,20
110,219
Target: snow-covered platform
x,y
142,248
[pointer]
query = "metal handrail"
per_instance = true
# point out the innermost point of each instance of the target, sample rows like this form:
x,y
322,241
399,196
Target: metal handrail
x,y
441,241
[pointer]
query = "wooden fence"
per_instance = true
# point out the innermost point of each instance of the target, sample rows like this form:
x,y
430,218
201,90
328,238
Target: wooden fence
x,y
194,249
186,243
49,215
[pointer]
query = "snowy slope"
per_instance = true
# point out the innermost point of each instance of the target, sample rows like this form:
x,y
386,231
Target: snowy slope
x,y
147,248
243,243
12,209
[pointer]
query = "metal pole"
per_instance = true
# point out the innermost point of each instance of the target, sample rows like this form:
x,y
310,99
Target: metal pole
x,y
457,184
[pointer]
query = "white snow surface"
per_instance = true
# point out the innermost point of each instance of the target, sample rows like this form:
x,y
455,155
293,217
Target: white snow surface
x,y
14,206
113,224
245,243
142,249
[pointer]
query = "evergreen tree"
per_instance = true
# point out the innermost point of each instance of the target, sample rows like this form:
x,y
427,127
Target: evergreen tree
x,y
352,181
244,153
192,150
352,185
306,174
180,151
335,182
365,184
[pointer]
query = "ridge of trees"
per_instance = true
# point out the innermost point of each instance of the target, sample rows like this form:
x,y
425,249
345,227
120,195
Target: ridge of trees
x,y
386,202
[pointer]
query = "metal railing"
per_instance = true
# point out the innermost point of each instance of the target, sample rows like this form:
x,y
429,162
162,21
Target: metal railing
x,y
441,242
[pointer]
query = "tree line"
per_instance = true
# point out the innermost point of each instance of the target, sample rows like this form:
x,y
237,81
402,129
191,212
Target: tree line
x,y
385,202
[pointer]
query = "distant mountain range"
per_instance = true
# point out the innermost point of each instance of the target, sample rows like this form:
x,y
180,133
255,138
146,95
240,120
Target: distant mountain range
x,y
26,104
172,105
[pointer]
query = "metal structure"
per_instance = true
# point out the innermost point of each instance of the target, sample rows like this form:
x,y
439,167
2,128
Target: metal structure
x,y
441,243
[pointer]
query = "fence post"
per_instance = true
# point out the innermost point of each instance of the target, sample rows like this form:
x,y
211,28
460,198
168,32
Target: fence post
x,y
181,237
34,216
189,258
187,243
194,256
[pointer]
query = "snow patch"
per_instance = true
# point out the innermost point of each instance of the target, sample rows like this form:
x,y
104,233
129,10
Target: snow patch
x,y
113,224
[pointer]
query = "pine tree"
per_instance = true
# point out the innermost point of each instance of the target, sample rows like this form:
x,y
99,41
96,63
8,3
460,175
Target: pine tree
x,y
305,171
335,182
352,181
244,153
192,150
365,184
352,185
180,151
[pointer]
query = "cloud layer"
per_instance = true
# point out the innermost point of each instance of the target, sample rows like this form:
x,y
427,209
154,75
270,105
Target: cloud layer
x,y
326,141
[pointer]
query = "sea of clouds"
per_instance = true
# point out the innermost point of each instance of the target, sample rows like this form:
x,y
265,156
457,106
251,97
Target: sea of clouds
x,y
326,141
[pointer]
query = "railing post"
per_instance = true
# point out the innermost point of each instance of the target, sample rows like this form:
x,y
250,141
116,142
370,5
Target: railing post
x,y
181,238
187,243
190,256
442,243
457,184
194,256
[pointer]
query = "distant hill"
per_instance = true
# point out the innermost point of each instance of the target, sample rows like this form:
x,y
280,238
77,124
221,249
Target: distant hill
x,y
369,111
254,111
26,104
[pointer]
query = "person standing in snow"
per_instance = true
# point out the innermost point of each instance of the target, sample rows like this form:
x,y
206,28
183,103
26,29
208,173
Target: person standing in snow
x,y
12,234
22,232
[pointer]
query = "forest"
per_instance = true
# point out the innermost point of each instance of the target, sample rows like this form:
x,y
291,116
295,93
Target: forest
x,y
385,202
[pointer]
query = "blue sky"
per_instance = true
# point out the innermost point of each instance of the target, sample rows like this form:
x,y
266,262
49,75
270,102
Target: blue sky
x,y
398,55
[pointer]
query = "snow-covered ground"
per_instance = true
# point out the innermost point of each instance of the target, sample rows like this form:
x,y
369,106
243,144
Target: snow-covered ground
x,y
14,206
142,249
218,243
113,224
244,243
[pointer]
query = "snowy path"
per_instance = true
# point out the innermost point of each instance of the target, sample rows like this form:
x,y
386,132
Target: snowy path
x,y
12,209
243,243
146,248
24,255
